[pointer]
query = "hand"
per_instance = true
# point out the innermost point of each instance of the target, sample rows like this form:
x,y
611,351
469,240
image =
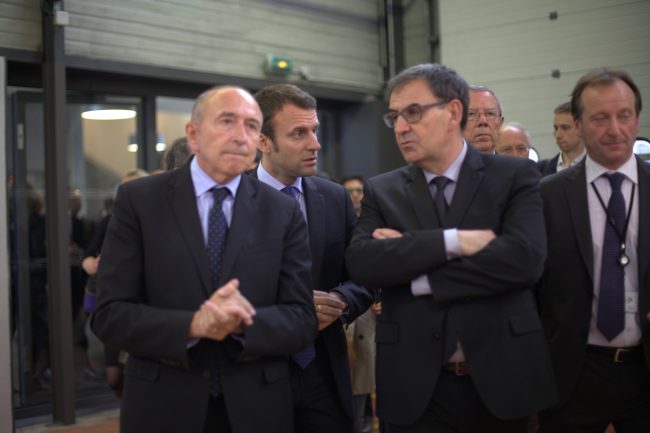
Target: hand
x,y
473,241
386,233
329,307
226,312
376,308
90,265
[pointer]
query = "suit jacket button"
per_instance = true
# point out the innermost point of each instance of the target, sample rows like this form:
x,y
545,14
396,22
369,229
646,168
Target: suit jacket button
x,y
206,374
468,299
436,336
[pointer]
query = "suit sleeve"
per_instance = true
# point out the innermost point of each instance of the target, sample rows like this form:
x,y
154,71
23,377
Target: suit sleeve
x,y
290,324
514,260
393,262
122,319
359,298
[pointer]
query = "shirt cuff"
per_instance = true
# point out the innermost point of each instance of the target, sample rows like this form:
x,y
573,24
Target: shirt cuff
x,y
452,243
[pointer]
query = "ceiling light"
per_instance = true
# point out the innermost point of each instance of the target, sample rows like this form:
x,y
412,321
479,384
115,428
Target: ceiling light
x,y
108,114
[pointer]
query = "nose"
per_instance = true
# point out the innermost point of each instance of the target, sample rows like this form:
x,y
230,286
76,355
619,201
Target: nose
x,y
401,125
314,144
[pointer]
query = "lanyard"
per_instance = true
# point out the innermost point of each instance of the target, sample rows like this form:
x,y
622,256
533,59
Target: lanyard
x,y
623,259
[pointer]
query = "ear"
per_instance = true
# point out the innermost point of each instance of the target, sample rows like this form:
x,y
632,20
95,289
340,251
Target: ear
x,y
191,132
456,113
578,124
265,144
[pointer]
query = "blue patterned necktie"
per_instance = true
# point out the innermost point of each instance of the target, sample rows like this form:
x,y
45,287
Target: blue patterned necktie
x,y
611,311
307,355
217,232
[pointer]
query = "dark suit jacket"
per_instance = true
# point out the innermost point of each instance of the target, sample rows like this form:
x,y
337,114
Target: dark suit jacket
x,y
331,218
488,296
154,275
566,293
548,166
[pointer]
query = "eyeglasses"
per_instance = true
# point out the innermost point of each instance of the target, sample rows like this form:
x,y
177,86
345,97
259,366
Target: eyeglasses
x,y
353,190
511,150
412,114
490,116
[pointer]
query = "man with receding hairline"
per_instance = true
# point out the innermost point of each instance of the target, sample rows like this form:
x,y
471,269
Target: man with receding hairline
x,y
484,118
208,297
595,291
513,140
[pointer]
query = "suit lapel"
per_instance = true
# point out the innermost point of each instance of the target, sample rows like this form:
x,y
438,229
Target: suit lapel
x,y
315,206
243,213
418,194
470,177
182,199
576,194
644,219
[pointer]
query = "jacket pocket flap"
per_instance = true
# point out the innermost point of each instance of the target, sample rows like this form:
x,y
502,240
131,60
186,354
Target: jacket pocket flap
x,y
387,333
142,369
525,323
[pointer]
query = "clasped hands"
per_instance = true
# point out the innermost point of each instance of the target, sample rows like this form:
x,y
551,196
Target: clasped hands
x,y
226,312
471,241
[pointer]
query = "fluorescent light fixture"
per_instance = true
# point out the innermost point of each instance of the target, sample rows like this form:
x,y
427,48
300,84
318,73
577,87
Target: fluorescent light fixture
x,y
108,114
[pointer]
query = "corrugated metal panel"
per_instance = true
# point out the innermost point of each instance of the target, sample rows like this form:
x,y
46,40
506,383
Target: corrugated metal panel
x,y
338,46
416,33
20,24
512,46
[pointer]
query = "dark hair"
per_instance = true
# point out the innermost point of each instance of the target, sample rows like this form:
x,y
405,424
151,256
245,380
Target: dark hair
x,y
272,99
444,82
353,177
563,108
602,77
176,154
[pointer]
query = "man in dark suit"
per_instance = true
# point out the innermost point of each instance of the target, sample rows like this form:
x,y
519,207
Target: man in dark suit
x,y
203,360
320,375
572,151
595,292
460,345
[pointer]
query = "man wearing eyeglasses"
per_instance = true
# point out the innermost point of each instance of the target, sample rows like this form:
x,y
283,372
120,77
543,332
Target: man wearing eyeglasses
x,y
513,140
484,118
456,241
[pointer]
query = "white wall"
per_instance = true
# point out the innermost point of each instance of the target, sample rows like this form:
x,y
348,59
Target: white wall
x,y
512,46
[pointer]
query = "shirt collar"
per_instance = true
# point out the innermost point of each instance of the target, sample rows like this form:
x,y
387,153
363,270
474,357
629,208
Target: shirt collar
x,y
265,176
560,160
204,183
595,170
453,171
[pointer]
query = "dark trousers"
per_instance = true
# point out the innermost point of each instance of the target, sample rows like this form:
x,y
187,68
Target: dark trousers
x,y
457,408
315,399
607,392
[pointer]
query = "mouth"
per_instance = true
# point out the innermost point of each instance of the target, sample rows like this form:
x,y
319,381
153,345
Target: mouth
x,y
311,161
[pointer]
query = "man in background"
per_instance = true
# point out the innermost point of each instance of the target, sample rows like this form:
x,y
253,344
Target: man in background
x,y
572,150
484,118
513,140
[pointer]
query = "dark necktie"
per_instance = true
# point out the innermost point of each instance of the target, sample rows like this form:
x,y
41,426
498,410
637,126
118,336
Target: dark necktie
x,y
307,355
441,183
217,232
611,314
450,338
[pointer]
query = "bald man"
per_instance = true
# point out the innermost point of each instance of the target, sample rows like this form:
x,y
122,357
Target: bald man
x,y
513,140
